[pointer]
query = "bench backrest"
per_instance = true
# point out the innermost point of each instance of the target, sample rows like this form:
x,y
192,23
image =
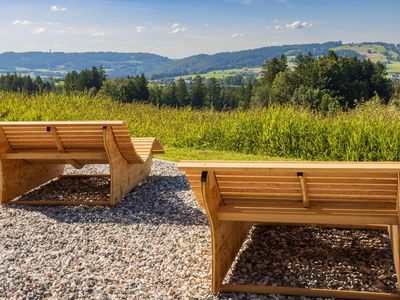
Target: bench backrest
x,y
68,137
321,185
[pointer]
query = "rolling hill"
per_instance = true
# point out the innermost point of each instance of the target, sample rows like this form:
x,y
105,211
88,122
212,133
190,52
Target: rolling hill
x,y
57,64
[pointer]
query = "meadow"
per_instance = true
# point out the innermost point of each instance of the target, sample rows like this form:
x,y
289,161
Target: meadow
x,y
369,133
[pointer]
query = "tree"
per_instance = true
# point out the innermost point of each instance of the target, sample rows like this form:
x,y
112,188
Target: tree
x,y
155,94
244,95
182,94
272,68
213,94
197,92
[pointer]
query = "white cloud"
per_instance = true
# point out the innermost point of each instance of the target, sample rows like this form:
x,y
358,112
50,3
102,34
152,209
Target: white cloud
x,y
70,28
100,33
57,8
298,25
22,22
206,25
140,29
52,23
277,27
238,35
176,28
39,30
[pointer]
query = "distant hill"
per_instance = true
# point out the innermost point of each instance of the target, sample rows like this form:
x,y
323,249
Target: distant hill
x,y
57,64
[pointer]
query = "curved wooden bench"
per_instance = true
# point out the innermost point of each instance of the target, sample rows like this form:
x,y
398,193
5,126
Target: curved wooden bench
x,y
32,153
237,195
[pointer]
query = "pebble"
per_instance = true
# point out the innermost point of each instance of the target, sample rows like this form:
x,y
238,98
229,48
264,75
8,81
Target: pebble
x,y
155,244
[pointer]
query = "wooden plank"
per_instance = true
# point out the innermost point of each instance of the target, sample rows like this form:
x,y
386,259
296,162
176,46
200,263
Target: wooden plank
x,y
366,192
61,202
346,186
56,155
224,189
124,175
248,215
306,199
83,175
333,167
237,184
18,177
60,123
310,292
61,148
227,237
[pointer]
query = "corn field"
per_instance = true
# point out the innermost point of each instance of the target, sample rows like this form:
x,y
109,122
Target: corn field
x,y
368,133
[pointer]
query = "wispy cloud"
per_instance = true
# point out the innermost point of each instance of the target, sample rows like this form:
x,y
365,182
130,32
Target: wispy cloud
x,y
176,28
238,35
57,8
39,30
21,22
247,2
140,29
298,25
52,23
99,33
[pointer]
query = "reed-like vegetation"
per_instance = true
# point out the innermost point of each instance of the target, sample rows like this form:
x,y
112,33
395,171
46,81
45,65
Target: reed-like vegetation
x,y
368,133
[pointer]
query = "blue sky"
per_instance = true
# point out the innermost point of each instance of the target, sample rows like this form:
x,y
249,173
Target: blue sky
x,y
179,28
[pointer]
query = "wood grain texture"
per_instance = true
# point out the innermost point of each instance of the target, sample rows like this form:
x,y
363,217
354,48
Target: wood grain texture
x,y
124,175
227,237
32,153
18,177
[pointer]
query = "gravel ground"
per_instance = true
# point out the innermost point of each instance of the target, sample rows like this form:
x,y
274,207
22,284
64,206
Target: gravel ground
x,y
155,244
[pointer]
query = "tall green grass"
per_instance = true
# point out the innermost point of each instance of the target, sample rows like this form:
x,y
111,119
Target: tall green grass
x,y
369,133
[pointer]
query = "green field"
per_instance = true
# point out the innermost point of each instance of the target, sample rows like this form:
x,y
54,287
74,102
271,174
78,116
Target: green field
x,y
373,52
393,67
222,73
369,133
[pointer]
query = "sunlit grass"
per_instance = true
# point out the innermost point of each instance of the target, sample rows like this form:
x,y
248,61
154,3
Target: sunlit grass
x,y
370,133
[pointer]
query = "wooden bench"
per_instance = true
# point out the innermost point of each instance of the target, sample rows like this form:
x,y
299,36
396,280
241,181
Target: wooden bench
x,y
237,195
32,153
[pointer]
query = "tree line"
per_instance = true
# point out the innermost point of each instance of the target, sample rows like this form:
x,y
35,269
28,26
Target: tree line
x,y
25,84
327,82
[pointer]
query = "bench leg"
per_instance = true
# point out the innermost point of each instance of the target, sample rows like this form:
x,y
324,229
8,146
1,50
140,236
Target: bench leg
x,y
227,239
18,177
395,238
124,176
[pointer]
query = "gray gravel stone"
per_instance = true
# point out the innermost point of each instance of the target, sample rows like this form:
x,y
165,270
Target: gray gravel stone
x,y
155,244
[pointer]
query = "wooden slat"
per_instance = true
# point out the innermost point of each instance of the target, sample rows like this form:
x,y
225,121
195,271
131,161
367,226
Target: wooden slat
x,y
306,199
309,216
333,167
61,202
60,123
55,155
61,148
